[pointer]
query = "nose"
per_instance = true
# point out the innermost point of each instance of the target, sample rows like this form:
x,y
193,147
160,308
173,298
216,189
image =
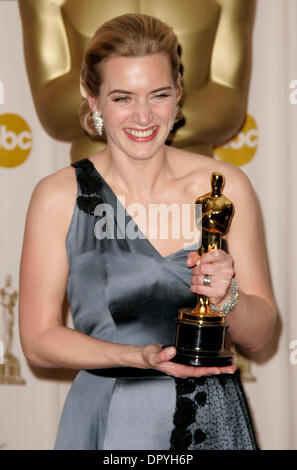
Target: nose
x,y
142,113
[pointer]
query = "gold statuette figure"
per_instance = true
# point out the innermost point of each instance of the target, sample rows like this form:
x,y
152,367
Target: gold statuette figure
x,y
200,333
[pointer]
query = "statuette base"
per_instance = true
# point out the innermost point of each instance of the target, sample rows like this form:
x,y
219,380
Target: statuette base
x,y
10,372
201,342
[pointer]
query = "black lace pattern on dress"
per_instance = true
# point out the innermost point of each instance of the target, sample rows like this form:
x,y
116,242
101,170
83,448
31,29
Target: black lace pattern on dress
x,y
187,403
211,414
90,185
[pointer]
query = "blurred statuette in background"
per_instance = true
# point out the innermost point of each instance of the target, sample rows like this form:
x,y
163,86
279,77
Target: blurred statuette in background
x,y
10,372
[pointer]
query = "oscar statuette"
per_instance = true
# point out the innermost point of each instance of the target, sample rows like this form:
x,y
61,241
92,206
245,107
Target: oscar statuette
x,y
201,332
10,369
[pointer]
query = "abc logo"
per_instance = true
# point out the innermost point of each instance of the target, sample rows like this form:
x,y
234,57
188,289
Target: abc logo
x,y
243,147
15,140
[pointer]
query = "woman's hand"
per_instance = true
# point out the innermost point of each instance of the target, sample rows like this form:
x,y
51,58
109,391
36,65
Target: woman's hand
x,y
160,359
217,264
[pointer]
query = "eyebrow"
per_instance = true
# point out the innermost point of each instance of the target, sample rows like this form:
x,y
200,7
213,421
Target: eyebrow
x,y
163,88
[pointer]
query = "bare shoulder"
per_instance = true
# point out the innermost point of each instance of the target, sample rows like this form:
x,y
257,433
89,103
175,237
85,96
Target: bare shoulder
x,y
237,184
57,187
58,183
195,170
55,196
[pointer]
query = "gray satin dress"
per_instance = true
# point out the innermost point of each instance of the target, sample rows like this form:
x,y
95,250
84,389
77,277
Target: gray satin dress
x,y
120,289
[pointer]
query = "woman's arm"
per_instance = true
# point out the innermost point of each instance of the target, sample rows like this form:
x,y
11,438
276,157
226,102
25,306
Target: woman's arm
x,y
252,320
46,342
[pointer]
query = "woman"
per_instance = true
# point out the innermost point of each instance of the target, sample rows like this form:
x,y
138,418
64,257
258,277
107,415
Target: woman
x,y
124,290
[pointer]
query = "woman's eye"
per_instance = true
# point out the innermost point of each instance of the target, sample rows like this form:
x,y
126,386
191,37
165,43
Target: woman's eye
x,y
162,95
121,99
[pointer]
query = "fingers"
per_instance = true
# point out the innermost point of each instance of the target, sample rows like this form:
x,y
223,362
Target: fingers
x,y
216,268
160,359
192,259
217,280
215,255
212,256
219,286
183,371
165,355
209,265
219,265
228,370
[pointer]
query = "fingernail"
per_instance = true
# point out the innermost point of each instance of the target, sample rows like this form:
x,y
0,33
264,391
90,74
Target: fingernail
x,y
198,262
170,352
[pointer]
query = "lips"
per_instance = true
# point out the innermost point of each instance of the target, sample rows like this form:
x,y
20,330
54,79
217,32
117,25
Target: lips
x,y
141,135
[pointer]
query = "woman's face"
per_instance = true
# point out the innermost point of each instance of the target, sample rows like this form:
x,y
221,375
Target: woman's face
x,y
137,101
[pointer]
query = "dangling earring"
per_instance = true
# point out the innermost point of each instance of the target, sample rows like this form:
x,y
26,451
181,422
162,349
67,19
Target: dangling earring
x,y
98,122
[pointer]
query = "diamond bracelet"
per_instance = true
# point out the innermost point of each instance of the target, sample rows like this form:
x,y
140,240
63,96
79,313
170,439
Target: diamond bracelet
x,y
231,302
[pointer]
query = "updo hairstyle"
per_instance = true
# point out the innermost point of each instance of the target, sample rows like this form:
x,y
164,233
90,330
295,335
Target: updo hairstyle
x,y
130,35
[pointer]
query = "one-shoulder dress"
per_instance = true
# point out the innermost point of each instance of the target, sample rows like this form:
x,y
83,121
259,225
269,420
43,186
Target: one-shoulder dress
x,y
120,289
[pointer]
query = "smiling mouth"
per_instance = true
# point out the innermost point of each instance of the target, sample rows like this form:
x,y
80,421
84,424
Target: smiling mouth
x,y
141,135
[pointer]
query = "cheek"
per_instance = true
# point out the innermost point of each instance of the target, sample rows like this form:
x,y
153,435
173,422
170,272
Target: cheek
x,y
114,118
165,113
171,110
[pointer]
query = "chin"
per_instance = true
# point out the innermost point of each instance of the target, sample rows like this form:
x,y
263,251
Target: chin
x,y
142,156
143,152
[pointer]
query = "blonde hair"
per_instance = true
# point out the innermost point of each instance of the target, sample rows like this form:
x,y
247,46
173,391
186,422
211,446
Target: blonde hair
x,y
130,35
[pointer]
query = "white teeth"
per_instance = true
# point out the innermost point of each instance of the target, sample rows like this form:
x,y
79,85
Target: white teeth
x,y
141,133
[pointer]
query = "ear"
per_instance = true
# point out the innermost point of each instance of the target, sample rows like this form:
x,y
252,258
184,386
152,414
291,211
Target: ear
x,y
179,88
179,92
92,103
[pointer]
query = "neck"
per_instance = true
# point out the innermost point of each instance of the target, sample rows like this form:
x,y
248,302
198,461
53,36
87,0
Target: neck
x,y
139,178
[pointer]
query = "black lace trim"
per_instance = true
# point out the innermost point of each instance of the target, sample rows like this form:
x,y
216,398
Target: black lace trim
x,y
200,398
90,184
185,414
88,203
